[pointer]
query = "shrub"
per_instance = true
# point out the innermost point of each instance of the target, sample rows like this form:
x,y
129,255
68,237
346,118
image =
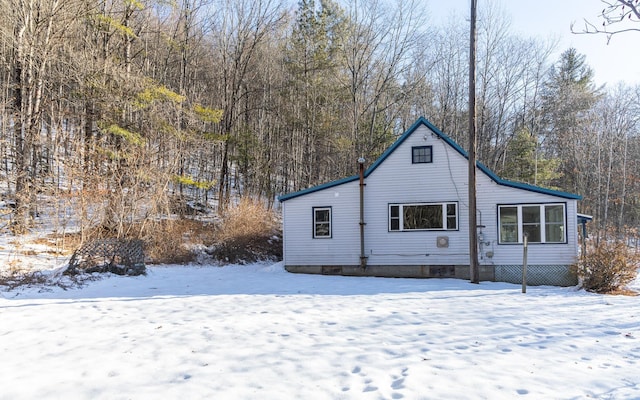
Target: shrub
x,y
607,267
14,275
249,233
167,241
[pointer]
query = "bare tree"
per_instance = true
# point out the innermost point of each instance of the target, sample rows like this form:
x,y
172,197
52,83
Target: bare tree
x,y
448,78
618,16
615,125
37,28
238,29
377,50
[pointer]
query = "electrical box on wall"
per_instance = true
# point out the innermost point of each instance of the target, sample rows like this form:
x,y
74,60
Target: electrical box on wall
x,y
442,241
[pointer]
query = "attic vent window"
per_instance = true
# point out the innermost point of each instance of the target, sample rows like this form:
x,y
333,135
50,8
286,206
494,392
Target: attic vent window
x,y
421,154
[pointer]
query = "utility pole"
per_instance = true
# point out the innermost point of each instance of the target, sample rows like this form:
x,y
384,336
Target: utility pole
x,y
473,224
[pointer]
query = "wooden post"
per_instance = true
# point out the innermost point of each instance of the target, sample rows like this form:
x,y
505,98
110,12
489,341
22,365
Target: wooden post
x,y
524,263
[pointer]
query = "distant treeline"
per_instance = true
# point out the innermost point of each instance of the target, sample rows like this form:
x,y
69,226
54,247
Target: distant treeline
x,y
125,106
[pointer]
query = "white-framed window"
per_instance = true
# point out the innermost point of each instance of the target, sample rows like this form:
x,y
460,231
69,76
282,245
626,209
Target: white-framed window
x,y
423,216
321,222
542,223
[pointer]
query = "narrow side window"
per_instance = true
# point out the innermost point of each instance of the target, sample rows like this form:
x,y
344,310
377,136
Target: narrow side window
x,y
508,224
322,222
452,216
554,223
394,218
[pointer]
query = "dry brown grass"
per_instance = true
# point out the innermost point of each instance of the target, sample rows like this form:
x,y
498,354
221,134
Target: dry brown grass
x,y
248,218
166,241
624,292
172,241
15,275
249,232
60,243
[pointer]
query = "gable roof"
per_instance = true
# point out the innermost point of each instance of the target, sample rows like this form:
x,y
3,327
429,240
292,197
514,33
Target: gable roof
x,y
450,142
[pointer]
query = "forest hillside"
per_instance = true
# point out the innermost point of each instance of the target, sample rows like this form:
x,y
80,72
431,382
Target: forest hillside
x,y
126,111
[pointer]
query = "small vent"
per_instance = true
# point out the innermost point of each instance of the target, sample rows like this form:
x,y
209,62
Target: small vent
x,y
442,241
442,271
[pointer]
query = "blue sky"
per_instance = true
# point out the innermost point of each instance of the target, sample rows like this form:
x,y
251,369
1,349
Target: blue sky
x,y
551,19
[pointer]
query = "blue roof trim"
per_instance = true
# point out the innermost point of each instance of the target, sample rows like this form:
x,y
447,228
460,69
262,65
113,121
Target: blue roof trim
x,y
526,186
394,146
450,142
317,188
416,125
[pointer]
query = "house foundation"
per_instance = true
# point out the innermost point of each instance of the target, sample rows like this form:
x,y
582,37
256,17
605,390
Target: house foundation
x,y
553,275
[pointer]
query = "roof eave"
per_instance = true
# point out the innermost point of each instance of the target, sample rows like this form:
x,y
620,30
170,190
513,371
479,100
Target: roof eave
x,y
312,189
450,142
525,186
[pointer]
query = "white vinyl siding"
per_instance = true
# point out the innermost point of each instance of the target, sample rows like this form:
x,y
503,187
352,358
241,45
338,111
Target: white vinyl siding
x,y
398,181
299,245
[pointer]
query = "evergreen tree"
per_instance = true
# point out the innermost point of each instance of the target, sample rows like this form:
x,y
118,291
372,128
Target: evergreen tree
x,y
524,162
568,96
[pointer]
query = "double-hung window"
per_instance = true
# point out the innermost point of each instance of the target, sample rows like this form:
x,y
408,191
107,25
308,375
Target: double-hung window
x,y
542,223
423,216
321,222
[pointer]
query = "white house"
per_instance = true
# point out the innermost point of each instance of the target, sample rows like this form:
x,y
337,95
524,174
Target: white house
x,y
415,219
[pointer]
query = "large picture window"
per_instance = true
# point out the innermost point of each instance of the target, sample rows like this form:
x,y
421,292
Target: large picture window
x,y
423,216
542,223
321,222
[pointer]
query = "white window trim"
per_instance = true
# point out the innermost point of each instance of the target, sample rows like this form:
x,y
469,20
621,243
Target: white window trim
x,y
401,216
543,225
330,235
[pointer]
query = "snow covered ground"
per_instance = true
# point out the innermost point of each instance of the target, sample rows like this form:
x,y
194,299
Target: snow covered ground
x,y
257,332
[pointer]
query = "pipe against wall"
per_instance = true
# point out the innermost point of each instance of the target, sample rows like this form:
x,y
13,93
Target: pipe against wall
x,y
363,257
